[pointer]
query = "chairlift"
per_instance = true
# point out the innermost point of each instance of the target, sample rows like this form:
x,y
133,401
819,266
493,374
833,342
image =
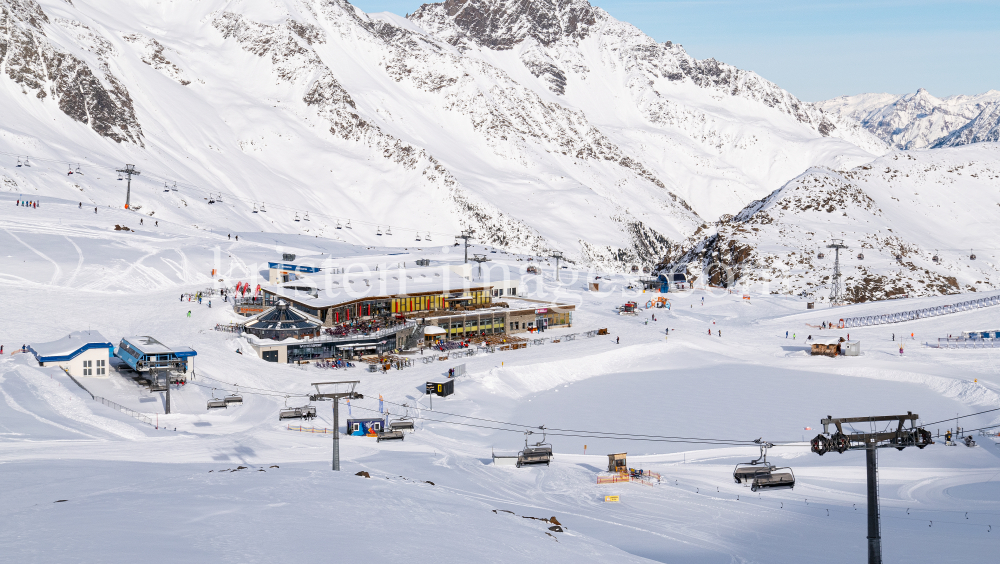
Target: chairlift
x,y
379,232
428,237
119,174
538,453
297,216
899,258
388,230
746,471
935,258
262,208
418,236
165,187
216,403
306,218
255,208
820,256
972,256
27,162
78,169
779,478
174,187
235,399
861,256
70,173
349,224
403,423
338,224
19,164
219,199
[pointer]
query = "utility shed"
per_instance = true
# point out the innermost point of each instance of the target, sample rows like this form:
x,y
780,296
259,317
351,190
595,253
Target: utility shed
x,y
826,346
81,353
616,462
851,348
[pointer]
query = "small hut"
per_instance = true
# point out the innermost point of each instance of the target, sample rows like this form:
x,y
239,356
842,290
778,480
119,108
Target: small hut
x,y
826,346
616,462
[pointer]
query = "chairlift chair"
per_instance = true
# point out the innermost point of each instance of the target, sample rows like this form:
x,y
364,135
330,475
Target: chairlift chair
x,y
539,453
379,231
235,399
401,424
418,236
119,174
821,255
27,162
388,231
297,216
748,471
174,187
349,224
428,237
165,187
306,218
861,256
338,224
779,478
972,255
216,403
388,436
219,198
19,165
211,198
78,169
262,208
255,208
935,258
70,173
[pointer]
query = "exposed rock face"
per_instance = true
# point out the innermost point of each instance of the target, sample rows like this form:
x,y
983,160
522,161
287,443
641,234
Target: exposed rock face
x,y
918,120
151,53
899,242
501,25
32,61
983,128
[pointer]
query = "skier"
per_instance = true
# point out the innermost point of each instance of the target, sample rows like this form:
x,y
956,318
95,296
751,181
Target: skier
x,y
703,300
140,221
786,334
912,337
900,350
209,304
95,210
709,331
894,337
182,297
230,237
237,237
80,206
618,340
720,332
189,313
793,336
157,224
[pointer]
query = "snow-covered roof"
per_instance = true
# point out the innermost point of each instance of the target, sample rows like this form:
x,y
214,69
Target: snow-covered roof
x,y
69,346
821,340
148,345
353,286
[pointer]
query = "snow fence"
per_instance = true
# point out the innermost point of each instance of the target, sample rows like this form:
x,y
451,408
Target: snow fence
x,y
911,315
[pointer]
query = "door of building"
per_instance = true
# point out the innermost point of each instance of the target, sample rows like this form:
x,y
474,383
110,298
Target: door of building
x,y
270,356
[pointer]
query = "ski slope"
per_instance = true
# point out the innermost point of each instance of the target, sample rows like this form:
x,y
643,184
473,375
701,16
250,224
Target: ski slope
x,y
174,491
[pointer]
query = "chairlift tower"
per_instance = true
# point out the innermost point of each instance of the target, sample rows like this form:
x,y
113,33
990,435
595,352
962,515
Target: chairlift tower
x,y
836,289
348,393
466,235
557,255
899,438
128,171
480,259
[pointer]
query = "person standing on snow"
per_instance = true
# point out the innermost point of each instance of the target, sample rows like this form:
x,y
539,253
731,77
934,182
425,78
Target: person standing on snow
x,y
786,334
618,340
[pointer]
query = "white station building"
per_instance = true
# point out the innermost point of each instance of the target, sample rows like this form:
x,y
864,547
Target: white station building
x,y
81,353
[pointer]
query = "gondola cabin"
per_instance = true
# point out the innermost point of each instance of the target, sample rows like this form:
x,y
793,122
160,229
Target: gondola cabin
x,y
616,462
367,427
146,353
445,388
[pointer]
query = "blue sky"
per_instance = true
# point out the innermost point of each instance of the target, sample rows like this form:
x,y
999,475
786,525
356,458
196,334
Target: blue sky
x,y
821,49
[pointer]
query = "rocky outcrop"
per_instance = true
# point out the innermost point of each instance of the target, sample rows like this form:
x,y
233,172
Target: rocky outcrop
x,y
95,97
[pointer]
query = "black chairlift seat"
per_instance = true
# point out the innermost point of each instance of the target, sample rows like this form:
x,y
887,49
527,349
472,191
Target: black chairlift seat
x,y
216,403
388,436
304,412
778,478
234,399
745,473
538,454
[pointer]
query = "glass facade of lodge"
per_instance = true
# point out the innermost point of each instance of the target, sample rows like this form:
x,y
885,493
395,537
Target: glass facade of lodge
x,y
391,305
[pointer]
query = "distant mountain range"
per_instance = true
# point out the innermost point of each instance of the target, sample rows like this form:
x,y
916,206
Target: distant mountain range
x,y
919,120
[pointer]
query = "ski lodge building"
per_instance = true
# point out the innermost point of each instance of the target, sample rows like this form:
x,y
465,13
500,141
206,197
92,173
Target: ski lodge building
x,y
145,353
81,353
446,301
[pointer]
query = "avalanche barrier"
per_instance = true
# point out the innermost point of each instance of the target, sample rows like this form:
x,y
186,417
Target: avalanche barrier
x,y
935,311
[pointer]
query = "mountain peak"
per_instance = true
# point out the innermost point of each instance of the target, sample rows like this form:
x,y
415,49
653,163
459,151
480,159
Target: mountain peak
x,y
502,24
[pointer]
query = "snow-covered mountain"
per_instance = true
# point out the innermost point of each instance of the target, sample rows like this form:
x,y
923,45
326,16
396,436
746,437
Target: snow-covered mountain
x,y
982,128
915,222
539,124
919,120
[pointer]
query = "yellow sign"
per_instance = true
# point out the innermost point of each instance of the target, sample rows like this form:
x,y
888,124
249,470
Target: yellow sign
x,y
611,499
